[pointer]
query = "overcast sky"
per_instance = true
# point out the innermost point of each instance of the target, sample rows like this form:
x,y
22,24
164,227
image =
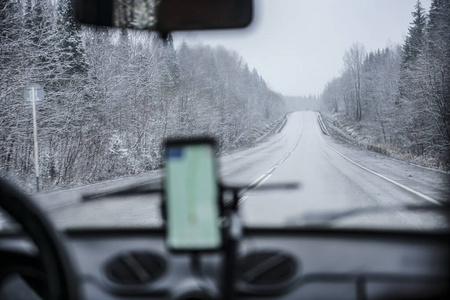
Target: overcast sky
x,y
298,45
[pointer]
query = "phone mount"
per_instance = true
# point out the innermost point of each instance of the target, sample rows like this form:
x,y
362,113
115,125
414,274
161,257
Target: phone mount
x,y
232,236
232,233
232,230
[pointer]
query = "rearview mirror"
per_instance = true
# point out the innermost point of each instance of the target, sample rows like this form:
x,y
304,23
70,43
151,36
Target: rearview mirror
x,y
166,15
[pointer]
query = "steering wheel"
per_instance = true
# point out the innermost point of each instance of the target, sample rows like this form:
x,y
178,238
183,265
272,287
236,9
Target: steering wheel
x,y
60,276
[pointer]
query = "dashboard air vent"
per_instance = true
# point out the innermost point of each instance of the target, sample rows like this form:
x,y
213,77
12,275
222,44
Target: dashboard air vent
x,y
137,267
265,272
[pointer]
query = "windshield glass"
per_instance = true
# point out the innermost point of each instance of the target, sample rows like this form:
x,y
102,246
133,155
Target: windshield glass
x,y
348,101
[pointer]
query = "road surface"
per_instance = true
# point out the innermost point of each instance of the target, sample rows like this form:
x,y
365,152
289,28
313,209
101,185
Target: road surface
x,y
331,177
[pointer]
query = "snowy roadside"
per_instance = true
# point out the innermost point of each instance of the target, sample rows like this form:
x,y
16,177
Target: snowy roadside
x,y
361,136
71,194
263,134
432,182
63,206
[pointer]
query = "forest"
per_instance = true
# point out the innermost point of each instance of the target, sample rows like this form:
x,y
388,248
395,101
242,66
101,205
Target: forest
x,y
114,95
401,93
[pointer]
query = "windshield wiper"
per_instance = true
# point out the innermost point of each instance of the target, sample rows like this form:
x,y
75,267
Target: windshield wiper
x,y
328,217
135,190
156,188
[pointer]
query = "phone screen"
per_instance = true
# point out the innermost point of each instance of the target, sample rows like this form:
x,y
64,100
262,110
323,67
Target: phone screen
x,y
192,197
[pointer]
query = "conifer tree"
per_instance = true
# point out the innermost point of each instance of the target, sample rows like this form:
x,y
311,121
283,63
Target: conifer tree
x,y
415,39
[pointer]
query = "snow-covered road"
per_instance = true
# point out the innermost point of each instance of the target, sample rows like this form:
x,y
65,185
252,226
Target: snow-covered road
x,y
331,177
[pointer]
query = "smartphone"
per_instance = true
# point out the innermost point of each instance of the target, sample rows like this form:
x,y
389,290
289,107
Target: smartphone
x,y
192,195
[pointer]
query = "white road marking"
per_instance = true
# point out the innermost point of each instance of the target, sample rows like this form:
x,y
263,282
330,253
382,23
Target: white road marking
x,y
242,199
423,196
264,180
257,180
272,169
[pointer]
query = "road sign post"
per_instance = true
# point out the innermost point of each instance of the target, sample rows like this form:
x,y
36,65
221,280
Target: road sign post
x,y
34,93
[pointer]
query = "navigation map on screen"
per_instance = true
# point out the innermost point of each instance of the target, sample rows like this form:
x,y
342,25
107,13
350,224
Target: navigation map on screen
x,y
192,199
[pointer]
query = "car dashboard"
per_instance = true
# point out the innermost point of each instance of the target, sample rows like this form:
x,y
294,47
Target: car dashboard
x,y
272,263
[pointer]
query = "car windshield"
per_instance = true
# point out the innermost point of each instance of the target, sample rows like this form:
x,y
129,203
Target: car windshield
x,y
327,113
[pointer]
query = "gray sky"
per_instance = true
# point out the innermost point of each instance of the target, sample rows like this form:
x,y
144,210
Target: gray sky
x,y
298,45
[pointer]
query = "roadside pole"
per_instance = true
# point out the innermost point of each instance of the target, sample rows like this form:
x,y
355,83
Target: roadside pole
x,y
34,93
36,161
